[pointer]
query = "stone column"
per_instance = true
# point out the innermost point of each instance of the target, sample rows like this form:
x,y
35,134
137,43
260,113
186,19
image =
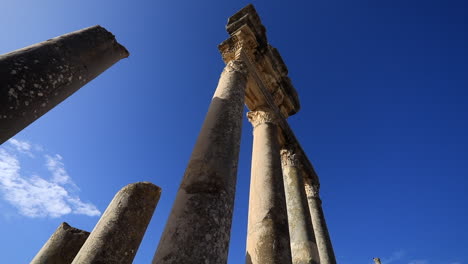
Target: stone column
x,y
327,256
116,237
267,234
35,79
199,226
303,245
62,246
377,260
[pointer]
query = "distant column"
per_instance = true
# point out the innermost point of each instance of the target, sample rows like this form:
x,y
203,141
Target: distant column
x,y
303,245
199,226
325,248
116,237
35,79
267,235
62,246
377,261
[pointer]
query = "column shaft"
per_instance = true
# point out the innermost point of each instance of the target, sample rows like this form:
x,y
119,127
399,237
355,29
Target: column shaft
x,y
325,248
199,226
303,246
62,246
116,237
267,235
35,79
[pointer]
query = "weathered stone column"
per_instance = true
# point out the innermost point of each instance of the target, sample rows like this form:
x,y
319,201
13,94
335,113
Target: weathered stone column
x,y
303,245
116,237
327,256
35,79
267,233
199,226
377,260
62,246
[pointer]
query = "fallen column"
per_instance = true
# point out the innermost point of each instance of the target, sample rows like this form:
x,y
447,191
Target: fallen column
x,y
199,226
116,237
325,248
35,79
267,231
303,245
62,246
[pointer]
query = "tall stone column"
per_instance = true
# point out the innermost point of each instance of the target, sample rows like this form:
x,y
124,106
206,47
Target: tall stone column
x,y
267,235
116,237
303,245
35,79
325,248
199,226
62,246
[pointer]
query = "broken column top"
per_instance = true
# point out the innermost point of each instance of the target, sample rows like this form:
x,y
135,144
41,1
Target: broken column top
x,y
248,33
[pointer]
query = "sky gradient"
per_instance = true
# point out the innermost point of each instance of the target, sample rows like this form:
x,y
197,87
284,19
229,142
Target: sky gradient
x,y
383,119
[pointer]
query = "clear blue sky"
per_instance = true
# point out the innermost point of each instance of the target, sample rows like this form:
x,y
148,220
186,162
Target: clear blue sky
x,y
383,87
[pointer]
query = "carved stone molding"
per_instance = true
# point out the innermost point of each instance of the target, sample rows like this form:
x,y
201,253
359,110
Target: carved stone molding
x,y
262,116
289,157
236,65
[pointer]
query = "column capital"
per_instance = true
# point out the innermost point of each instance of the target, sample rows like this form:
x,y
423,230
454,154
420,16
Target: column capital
x,y
289,157
312,190
236,66
261,116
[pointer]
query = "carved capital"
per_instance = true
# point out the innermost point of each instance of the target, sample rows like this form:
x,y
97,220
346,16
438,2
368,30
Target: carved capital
x,y
243,40
262,116
289,157
236,65
312,190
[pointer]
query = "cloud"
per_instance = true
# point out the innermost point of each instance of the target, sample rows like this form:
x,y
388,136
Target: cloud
x,y
397,255
36,196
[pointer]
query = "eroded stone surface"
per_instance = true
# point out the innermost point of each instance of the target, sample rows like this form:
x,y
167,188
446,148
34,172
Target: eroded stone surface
x,y
116,237
267,231
199,226
62,246
325,248
35,79
303,246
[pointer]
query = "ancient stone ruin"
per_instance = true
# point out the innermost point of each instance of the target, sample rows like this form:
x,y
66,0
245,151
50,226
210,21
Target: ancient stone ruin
x,y
286,223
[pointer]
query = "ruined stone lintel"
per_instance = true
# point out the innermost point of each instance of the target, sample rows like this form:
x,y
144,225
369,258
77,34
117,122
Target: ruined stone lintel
x,y
267,235
35,79
116,237
199,226
248,37
62,246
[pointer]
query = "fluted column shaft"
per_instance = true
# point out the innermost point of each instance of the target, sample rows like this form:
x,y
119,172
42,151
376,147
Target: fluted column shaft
x,y
199,226
303,245
267,236
325,248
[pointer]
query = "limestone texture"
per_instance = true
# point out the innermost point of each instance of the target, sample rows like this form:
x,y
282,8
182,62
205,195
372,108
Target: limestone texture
x,y
35,79
325,248
267,231
62,246
116,237
303,246
199,226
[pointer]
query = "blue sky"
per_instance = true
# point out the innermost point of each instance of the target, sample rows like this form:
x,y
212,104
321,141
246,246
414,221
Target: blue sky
x,y
383,88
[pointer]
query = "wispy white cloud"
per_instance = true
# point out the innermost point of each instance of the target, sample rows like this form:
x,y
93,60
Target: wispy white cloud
x,y
35,196
20,146
396,256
